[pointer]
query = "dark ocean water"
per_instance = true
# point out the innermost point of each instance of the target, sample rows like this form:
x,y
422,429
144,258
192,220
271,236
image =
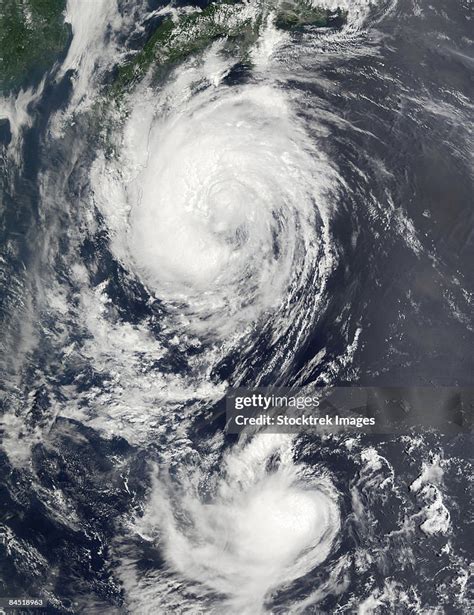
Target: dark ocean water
x,y
391,109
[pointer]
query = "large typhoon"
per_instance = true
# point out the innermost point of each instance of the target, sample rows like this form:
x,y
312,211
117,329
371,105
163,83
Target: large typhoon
x,y
197,227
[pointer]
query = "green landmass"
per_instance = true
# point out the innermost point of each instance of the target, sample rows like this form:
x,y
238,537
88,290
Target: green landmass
x,y
172,41
32,35
193,32
302,13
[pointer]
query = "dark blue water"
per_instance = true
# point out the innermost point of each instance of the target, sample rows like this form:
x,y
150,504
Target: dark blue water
x,y
406,120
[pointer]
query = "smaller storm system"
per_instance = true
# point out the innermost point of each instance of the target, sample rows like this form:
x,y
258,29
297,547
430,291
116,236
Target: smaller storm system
x,y
263,530
204,201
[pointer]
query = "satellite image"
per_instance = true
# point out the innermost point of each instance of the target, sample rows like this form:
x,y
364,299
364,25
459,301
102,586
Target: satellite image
x,y
236,324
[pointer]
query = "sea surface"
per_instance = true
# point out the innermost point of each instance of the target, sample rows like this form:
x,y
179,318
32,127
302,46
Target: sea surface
x,y
291,210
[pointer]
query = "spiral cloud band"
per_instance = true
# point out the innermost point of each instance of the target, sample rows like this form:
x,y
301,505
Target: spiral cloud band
x,y
225,215
261,530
